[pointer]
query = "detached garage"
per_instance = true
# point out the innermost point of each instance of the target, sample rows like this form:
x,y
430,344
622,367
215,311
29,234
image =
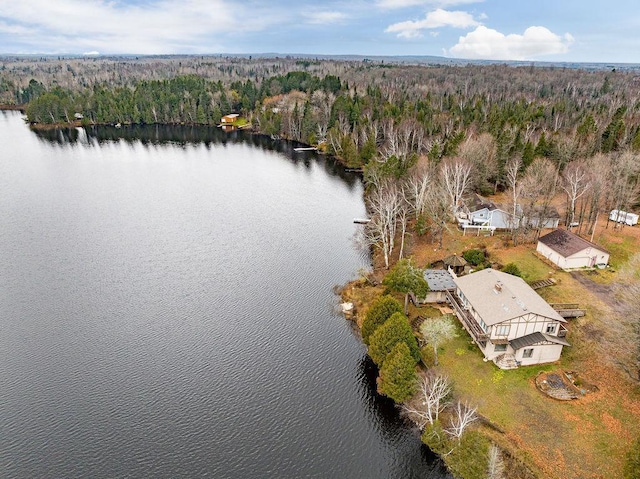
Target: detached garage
x,y
570,251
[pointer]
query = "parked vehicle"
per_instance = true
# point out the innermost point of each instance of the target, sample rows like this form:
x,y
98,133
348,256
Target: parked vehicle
x,y
623,217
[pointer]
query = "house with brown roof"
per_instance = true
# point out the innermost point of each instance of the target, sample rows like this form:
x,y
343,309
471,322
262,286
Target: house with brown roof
x,y
511,324
570,251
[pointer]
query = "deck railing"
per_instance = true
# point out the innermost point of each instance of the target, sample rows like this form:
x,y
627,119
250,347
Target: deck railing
x,y
465,317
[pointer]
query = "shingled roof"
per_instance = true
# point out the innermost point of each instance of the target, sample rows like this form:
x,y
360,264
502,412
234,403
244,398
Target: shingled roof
x,y
567,243
498,297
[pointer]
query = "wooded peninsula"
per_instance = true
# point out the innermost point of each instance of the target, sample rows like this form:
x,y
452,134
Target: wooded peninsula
x,y
545,142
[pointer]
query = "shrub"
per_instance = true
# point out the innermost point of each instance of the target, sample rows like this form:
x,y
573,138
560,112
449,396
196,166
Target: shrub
x,y
381,310
513,269
474,257
398,378
405,277
396,329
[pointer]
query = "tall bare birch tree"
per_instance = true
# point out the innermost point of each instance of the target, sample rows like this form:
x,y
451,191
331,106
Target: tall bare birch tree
x,y
384,203
430,400
576,181
455,176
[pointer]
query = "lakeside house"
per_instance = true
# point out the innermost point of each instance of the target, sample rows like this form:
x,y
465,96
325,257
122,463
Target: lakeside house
x,y
485,214
569,251
511,324
231,118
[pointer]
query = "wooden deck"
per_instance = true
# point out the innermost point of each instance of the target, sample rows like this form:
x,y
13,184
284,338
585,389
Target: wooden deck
x,y
467,320
568,310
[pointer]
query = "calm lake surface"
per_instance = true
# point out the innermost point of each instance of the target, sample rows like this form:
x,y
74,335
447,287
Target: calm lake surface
x,y
167,310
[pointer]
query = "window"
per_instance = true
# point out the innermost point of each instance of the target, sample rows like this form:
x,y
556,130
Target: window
x,y
502,330
499,348
527,353
551,328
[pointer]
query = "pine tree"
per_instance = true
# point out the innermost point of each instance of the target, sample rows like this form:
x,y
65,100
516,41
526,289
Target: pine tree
x,y
395,330
381,310
398,378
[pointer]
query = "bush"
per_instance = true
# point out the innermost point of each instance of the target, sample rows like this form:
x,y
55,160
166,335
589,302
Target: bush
x,y
395,330
381,310
474,257
405,277
398,378
513,269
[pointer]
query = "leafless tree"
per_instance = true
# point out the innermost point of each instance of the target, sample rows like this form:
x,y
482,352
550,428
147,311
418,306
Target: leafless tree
x,y
418,184
384,203
576,181
539,186
455,176
480,151
430,400
462,416
496,464
512,171
437,331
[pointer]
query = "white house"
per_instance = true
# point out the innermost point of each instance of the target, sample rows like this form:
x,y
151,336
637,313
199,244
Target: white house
x,y
509,321
570,251
440,281
486,213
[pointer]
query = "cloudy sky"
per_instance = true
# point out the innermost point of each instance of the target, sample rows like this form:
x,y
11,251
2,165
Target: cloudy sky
x,y
550,30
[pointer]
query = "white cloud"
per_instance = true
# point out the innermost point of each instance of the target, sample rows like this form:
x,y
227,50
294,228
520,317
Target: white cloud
x,y
436,19
391,4
489,44
325,18
155,26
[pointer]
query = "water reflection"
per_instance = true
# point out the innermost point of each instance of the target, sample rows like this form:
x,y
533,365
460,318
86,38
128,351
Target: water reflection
x,y
392,427
186,135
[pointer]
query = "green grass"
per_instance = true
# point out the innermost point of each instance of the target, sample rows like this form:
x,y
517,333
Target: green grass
x,y
621,251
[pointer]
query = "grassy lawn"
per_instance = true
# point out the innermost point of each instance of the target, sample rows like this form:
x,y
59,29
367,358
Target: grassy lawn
x,y
586,438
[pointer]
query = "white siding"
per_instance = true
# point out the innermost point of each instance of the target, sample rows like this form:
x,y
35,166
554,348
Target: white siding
x,y
547,353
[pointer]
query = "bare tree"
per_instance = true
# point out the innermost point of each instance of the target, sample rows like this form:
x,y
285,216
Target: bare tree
x,y
430,400
437,331
575,182
496,464
384,203
418,184
539,186
455,175
512,171
462,416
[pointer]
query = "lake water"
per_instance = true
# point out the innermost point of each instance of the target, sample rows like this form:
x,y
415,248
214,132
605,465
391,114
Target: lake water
x,y
167,310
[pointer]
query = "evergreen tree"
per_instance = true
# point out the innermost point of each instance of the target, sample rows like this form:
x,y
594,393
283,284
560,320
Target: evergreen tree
x,y
394,330
398,378
380,310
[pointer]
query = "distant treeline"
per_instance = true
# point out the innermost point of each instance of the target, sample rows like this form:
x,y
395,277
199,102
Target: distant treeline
x,y
358,111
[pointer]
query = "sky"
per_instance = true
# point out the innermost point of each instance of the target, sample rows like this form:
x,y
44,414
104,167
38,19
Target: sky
x,y
540,30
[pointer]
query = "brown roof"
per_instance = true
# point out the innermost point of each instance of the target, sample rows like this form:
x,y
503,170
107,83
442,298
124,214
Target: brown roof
x,y
567,243
454,260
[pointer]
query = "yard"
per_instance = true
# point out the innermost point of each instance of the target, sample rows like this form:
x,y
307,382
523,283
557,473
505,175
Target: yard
x,y
585,438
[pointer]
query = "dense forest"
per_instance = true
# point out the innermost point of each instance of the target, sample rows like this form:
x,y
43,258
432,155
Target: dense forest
x,y
421,132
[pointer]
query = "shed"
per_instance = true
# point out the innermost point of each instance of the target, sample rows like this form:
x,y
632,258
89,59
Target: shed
x,y
570,251
440,281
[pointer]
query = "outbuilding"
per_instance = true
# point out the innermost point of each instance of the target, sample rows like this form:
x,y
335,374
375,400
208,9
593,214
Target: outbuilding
x,y
570,251
440,281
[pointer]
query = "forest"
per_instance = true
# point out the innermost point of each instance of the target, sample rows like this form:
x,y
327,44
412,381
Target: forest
x,y
425,136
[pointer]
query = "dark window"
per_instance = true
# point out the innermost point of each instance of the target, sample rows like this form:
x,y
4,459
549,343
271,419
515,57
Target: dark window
x,y
500,347
527,353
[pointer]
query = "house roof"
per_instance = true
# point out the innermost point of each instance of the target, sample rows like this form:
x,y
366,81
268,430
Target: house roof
x,y
439,280
477,203
535,338
499,297
454,260
566,243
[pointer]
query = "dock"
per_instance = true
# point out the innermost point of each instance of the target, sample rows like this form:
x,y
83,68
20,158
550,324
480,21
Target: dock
x,y
306,148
